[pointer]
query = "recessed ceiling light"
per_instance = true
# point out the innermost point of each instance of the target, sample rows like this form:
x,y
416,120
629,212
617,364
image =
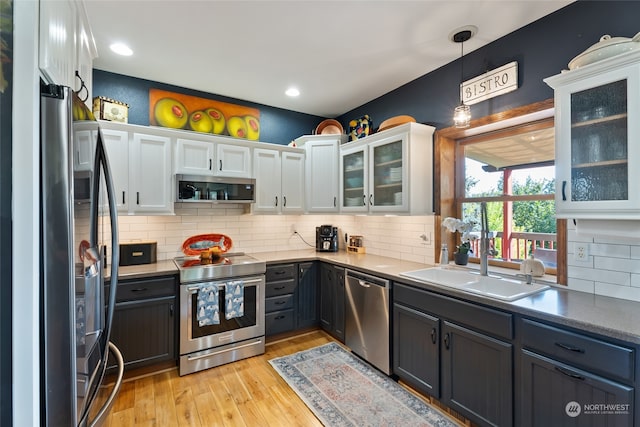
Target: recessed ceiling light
x,y
121,49
292,91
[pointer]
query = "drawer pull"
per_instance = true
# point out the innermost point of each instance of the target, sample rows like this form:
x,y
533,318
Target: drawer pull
x,y
570,347
446,340
434,335
279,272
139,290
279,288
569,373
280,302
279,317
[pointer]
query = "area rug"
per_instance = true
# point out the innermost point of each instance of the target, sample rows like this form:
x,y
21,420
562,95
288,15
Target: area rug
x,y
343,390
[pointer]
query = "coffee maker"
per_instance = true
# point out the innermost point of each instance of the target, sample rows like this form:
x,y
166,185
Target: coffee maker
x,y
326,238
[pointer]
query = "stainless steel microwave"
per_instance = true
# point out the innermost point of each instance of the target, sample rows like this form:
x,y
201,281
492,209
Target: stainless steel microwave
x,y
196,188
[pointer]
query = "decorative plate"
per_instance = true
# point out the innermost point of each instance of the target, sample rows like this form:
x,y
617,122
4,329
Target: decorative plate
x,y
194,245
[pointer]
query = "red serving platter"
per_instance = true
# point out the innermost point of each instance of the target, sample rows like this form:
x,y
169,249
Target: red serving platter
x,y
191,247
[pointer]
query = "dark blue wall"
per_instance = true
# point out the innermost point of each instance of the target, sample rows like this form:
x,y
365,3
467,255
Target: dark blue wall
x,y
542,49
277,125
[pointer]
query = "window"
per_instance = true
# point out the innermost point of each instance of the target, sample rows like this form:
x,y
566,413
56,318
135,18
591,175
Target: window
x,y
513,172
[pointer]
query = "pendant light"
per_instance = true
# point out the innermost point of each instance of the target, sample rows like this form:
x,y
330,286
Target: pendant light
x,y
462,113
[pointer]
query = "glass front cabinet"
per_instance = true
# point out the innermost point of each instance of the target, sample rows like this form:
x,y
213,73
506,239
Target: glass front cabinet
x,y
389,172
598,139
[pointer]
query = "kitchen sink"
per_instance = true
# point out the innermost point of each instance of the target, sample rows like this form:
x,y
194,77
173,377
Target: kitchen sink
x,y
489,286
503,289
442,276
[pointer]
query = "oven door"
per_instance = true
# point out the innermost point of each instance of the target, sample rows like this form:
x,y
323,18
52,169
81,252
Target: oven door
x,y
195,338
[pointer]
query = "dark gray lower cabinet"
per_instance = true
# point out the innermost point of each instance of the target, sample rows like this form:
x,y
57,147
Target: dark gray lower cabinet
x,y
456,351
555,394
477,375
416,350
332,300
292,295
144,321
307,295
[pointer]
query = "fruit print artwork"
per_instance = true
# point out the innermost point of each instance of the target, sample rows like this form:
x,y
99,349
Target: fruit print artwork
x,y
179,111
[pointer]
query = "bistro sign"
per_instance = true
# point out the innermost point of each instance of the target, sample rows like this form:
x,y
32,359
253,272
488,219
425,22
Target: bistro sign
x,y
491,84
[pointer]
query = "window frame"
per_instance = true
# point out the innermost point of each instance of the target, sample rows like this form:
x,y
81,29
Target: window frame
x,y
449,172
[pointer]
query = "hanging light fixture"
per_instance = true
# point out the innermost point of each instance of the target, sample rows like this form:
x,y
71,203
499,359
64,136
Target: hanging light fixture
x,y
462,113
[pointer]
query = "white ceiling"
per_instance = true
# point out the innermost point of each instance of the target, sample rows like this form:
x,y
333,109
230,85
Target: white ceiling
x,y
339,54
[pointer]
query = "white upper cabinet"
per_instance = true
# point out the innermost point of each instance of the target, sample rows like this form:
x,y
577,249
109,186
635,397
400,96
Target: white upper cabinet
x,y
322,186
233,161
66,45
194,157
597,109
279,181
389,172
84,146
141,163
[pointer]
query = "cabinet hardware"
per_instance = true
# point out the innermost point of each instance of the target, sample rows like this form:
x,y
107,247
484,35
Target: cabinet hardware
x,y
446,340
569,373
279,288
220,164
210,164
139,290
280,302
570,347
434,335
370,199
284,201
276,200
279,272
364,200
171,310
334,201
564,186
137,197
279,317
123,202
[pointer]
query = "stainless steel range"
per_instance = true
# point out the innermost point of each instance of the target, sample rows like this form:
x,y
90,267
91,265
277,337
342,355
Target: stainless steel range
x,y
209,345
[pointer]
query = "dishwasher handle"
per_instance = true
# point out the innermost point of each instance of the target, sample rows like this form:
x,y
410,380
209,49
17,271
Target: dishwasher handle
x,y
366,280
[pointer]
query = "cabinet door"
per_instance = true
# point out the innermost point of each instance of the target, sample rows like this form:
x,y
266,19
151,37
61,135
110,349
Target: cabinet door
x,y
597,154
354,164
322,175
555,394
86,52
307,295
84,147
339,303
416,349
267,172
292,182
194,157
144,331
57,51
327,280
233,161
150,174
388,176
117,146
477,375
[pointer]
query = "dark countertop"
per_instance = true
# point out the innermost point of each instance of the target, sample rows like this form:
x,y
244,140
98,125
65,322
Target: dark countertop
x,y
610,317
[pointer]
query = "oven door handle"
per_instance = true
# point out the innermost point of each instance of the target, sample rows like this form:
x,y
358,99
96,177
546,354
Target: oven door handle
x,y
194,289
202,356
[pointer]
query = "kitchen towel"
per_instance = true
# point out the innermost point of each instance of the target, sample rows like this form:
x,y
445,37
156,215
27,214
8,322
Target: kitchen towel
x,y
234,299
208,310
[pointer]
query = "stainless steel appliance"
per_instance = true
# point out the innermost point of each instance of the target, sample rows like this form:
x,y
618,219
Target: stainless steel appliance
x,y
367,318
197,188
203,347
327,238
78,222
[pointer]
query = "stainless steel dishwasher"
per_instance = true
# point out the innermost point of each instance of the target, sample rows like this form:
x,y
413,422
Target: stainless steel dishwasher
x,y
367,318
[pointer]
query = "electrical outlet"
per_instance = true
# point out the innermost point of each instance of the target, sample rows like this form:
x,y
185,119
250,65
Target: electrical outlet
x,y
581,251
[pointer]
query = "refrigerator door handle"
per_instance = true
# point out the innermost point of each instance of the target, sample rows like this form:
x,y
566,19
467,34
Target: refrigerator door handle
x,y
104,410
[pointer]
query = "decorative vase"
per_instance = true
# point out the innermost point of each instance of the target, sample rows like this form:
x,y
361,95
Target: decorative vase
x,y
461,259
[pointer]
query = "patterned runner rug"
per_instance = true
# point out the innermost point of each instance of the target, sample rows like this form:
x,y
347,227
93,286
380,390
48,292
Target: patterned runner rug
x,y
343,390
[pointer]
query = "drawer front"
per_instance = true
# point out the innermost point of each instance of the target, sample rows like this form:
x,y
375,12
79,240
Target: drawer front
x,y
280,321
145,288
281,302
589,353
493,322
280,288
280,272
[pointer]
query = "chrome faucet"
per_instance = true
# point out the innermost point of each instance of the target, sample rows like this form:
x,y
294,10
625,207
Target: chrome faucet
x,y
484,240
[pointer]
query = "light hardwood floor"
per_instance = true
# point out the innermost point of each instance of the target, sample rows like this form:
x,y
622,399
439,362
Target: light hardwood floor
x,y
248,392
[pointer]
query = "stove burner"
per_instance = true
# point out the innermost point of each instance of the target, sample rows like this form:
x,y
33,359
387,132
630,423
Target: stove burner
x,y
193,269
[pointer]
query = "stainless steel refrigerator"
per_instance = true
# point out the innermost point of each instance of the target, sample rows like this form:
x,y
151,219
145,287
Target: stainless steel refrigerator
x,y
79,238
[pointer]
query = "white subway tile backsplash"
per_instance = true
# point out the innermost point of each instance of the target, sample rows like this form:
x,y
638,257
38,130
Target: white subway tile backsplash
x,y
624,292
581,285
617,264
609,250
